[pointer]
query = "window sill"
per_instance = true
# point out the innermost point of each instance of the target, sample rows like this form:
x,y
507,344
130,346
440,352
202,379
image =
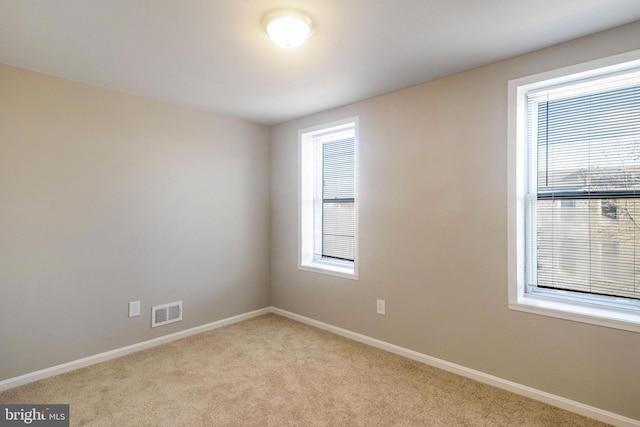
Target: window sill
x,y
334,269
611,317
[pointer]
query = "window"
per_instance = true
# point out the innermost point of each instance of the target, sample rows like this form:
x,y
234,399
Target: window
x,y
574,213
328,199
609,209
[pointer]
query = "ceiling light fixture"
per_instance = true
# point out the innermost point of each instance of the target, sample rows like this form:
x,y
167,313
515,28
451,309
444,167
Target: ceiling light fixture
x,y
288,28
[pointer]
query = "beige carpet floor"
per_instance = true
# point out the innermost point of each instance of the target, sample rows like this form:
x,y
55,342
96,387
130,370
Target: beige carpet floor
x,y
272,371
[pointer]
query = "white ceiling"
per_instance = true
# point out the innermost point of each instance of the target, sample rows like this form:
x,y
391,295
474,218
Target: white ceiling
x,y
213,55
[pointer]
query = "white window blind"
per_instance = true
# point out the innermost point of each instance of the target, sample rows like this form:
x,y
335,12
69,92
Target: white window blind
x,y
583,187
336,197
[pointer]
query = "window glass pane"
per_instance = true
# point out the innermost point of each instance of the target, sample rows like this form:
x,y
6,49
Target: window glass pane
x,y
338,187
590,143
338,174
586,173
581,249
338,223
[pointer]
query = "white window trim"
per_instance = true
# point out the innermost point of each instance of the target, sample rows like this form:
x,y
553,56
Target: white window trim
x,y
568,309
306,232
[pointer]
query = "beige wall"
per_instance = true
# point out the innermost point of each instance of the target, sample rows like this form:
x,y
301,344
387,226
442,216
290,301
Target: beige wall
x,y
433,236
107,198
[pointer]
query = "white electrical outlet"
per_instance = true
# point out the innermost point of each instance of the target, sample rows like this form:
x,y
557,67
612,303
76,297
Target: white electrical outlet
x,y
134,308
381,307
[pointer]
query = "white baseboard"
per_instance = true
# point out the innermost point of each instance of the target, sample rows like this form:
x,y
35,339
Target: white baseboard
x,y
551,399
542,396
112,354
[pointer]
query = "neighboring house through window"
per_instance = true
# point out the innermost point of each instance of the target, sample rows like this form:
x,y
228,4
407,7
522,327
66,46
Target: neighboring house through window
x,y
328,199
574,142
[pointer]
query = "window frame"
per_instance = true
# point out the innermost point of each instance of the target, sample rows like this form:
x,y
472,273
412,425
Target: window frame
x,y
307,210
588,309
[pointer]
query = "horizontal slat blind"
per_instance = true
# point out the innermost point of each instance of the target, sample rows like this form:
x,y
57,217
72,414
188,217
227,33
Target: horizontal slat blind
x,y
338,196
584,180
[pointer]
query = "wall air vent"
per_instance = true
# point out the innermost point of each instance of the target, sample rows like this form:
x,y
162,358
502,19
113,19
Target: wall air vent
x,y
166,313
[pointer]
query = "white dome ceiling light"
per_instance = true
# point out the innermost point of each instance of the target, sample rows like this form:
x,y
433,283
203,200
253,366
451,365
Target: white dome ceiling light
x,y
288,28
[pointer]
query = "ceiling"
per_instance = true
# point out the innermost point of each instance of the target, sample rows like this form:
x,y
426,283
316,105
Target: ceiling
x,y
213,55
